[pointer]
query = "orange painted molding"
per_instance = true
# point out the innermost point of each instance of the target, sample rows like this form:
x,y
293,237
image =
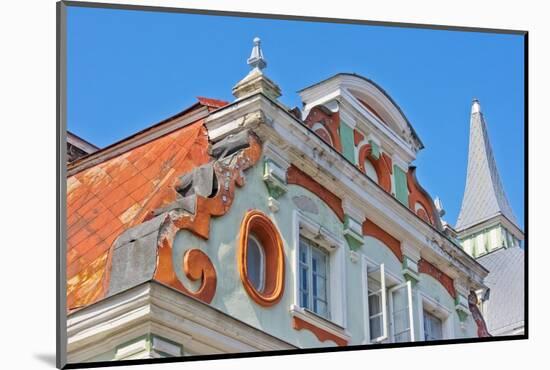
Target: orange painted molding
x,y
321,334
388,162
298,177
381,166
258,224
375,231
357,137
329,120
196,266
199,224
418,195
426,267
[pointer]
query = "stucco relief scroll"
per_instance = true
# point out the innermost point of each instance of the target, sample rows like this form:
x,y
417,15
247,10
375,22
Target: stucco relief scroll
x,y
201,198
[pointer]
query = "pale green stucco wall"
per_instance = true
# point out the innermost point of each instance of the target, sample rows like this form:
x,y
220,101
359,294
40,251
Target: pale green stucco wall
x,y
231,296
431,287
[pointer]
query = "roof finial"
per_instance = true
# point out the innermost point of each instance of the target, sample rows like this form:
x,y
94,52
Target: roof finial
x,y
476,107
256,81
256,60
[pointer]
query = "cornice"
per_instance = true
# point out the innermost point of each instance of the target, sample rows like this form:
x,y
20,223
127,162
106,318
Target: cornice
x,y
152,303
497,219
333,171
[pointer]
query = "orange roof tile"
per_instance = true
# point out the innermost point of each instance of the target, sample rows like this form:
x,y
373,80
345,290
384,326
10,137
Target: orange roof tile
x,y
213,103
110,197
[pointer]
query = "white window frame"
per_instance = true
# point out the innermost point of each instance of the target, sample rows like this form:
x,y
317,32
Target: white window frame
x,y
311,245
335,245
365,276
391,281
262,262
437,309
407,285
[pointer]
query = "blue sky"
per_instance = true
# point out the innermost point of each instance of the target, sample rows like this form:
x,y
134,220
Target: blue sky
x,y
127,70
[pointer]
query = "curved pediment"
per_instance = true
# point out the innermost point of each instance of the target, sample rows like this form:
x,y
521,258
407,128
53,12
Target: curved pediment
x,y
377,102
369,99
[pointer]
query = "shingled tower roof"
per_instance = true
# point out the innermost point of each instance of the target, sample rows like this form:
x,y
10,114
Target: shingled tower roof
x,y
484,196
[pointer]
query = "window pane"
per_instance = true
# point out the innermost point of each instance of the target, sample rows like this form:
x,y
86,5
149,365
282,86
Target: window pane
x,y
402,337
313,271
433,327
375,327
400,299
400,314
437,328
320,308
401,321
375,304
254,263
303,278
304,299
303,252
320,287
318,262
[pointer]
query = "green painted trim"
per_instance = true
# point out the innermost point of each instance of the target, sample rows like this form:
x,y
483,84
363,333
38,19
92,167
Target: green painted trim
x,y
413,278
400,180
355,240
275,186
348,145
462,316
461,310
346,221
375,149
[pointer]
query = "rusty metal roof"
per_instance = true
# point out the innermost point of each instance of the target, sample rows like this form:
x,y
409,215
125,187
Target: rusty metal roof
x,y
106,199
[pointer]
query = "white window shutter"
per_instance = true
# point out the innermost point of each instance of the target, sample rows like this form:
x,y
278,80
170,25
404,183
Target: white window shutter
x,y
380,316
401,308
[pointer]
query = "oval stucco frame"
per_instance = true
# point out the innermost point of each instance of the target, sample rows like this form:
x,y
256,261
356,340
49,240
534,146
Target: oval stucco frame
x,y
257,223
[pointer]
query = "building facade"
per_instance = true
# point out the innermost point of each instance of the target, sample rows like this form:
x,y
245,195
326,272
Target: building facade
x,y
248,226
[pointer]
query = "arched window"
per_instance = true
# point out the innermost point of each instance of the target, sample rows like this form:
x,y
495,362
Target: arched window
x,y
255,263
370,170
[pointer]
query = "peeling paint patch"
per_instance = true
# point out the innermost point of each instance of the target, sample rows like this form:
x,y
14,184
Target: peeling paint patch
x,y
108,198
130,213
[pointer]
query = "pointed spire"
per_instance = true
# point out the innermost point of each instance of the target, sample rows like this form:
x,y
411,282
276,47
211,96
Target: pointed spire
x,y
256,59
256,81
476,107
484,195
